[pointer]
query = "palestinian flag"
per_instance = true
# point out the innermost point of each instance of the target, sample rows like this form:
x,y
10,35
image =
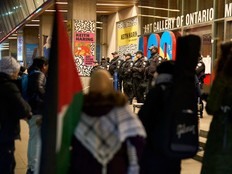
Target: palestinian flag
x,y
63,103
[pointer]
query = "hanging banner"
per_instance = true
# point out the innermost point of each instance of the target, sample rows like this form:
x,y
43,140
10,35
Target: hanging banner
x,y
84,45
127,36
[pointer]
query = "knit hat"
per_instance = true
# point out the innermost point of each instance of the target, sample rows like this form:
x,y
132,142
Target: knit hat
x,y
9,65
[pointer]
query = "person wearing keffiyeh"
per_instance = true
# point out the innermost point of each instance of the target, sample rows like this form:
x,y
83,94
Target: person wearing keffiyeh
x,y
109,137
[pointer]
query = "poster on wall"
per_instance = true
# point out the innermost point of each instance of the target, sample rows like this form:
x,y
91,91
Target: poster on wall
x,y
31,52
127,36
84,45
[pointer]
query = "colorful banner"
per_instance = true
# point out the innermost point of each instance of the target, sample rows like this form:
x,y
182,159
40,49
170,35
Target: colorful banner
x,y
82,46
168,45
127,36
89,60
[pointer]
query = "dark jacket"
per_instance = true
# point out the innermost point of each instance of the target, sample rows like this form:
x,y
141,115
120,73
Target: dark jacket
x,y
36,90
138,68
153,62
151,114
115,65
13,108
82,161
218,149
126,69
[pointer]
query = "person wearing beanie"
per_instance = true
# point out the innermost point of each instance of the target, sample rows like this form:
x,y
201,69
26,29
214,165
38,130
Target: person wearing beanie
x,y
13,108
109,138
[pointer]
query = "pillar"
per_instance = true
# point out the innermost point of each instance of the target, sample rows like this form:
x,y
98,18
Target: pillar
x,y
31,44
82,19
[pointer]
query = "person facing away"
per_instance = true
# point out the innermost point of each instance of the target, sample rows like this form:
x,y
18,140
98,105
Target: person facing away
x,y
109,138
218,149
154,161
13,108
36,92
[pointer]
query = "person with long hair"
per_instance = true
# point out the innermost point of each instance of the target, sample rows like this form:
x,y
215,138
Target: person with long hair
x,y
109,137
218,150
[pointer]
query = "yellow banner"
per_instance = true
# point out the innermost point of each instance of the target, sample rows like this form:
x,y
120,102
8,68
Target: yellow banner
x,y
127,35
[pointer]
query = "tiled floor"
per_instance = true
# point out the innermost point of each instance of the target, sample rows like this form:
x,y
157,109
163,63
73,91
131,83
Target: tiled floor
x,y
189,166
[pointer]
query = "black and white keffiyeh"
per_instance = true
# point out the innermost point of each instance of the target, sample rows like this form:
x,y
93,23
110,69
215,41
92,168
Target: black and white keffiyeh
x,y
103,136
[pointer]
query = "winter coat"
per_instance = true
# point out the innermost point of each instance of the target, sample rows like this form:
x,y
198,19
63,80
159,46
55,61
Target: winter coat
x,y
153,62
36,90
115,65
151,113
13,108
82,160
218,150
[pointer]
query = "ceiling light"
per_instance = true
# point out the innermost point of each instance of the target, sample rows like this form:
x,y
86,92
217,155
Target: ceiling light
x,y
152,16
35,20
112,4
62,3
105,12
12,38
63,11
32,25
157,8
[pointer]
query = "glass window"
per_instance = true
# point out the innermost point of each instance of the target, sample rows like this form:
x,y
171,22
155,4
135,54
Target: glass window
x,y
31,6
38,3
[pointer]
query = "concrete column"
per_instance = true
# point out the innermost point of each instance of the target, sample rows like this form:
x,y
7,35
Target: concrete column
x,y
82,18
45,29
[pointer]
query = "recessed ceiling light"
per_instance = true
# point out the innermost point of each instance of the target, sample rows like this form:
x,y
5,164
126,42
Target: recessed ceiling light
x,y
62,3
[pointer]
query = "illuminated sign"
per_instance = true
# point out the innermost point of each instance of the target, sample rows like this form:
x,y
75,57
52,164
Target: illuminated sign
x,y
187,20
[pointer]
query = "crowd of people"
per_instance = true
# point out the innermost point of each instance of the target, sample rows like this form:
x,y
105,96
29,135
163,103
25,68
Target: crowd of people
x,y
110,138
22,95
134,72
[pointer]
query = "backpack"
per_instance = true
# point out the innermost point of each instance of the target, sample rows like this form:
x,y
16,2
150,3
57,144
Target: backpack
x,y
178,137
24,84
